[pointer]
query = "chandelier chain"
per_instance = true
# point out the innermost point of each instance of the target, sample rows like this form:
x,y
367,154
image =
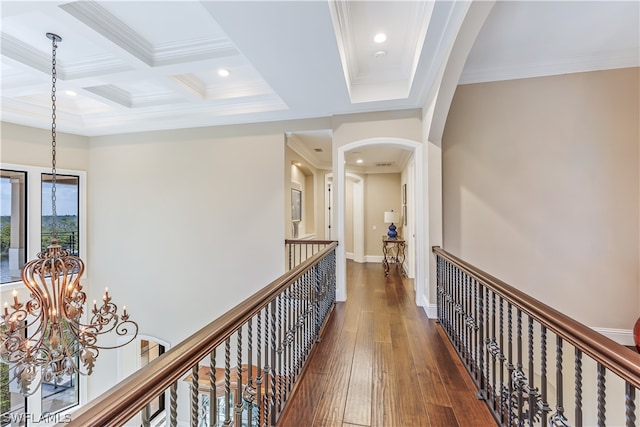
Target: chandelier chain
x,y
54,79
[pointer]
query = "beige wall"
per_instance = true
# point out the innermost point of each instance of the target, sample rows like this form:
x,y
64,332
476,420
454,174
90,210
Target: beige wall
x,y
30,146
382,193
172,221
541,189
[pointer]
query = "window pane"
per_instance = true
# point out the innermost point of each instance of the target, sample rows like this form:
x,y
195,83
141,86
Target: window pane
x,y
60,394
67,228
63,392
13,234
12,403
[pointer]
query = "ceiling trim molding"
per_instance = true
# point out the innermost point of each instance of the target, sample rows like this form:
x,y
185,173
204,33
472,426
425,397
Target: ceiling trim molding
x,y
23,53
103,22
620,59
193,50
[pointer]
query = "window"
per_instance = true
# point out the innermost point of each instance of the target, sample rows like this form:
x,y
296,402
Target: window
x,y
149,351
13,236
21,240
67,228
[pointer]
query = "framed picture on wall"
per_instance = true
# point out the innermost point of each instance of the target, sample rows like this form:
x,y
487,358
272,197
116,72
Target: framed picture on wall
x,y
296,205
404,194
404,214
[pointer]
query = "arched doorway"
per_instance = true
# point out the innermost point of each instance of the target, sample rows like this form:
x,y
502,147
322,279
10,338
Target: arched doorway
x,y
418,212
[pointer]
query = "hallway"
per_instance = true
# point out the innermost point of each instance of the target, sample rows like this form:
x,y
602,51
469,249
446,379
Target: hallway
x,y
382,362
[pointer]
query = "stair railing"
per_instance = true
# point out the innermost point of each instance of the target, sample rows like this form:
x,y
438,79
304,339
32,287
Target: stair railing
x,y
240,369
502,336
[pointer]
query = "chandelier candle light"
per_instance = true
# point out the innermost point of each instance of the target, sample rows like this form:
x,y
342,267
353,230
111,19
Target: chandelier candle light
x,y
45,338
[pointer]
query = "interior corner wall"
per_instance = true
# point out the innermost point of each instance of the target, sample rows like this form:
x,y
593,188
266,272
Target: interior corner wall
x,y
184,225
541,189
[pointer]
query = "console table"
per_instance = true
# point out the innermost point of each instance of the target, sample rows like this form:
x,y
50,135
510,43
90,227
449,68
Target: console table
x,y
393,252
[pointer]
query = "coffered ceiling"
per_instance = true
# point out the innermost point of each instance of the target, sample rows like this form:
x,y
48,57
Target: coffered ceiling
x,y
130,66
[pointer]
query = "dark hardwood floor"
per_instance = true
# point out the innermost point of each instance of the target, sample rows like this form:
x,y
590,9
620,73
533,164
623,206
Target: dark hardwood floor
x,y
382,362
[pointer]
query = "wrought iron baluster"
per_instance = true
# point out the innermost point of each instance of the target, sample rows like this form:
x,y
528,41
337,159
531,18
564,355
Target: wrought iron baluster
x,y
194,395
630,405
602,410
477,363
249,389
272,361
173,405
480,344
518,378
558,418
502,366
544,403
510,366
494,352
467,317
578,387
227,383
265,403
238,396
532,391
279,369
459,311
213,395
439,288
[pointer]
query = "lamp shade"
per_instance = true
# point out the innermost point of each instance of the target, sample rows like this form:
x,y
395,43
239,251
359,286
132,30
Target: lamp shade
x,y
390,217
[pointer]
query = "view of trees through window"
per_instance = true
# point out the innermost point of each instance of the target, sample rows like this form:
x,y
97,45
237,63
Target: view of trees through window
x,y
13,207
67,229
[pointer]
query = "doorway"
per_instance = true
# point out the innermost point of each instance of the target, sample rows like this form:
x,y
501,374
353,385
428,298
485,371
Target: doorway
x,y
417,212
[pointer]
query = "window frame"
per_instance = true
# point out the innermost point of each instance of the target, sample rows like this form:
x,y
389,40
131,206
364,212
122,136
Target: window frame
x,y
33,229
26,210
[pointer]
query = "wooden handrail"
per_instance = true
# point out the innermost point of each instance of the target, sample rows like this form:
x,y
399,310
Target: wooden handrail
x,y
615,357
308,241
124,400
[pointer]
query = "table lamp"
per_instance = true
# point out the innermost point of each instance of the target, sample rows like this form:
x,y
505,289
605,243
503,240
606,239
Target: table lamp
x,y
389,218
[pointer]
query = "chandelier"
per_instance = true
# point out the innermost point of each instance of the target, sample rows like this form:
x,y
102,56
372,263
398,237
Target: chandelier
x,y
45,339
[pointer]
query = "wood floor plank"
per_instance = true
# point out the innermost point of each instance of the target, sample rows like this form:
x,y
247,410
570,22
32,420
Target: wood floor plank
x,y
358,404
411,406
331,407
442,416
385,392
308,394
433,389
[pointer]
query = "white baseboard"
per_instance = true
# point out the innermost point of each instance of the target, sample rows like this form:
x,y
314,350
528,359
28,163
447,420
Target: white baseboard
x,y
621,336
431,310
373,258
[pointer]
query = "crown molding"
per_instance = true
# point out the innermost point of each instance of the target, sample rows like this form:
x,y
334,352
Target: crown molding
x,y
579,64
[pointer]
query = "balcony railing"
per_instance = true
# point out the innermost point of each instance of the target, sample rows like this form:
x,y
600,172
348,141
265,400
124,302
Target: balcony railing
x,y
502,336
238,370
300,250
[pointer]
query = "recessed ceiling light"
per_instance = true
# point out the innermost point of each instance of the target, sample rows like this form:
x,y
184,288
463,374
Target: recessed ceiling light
x,y
380,38
223,72
380,54
359,161
70,92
